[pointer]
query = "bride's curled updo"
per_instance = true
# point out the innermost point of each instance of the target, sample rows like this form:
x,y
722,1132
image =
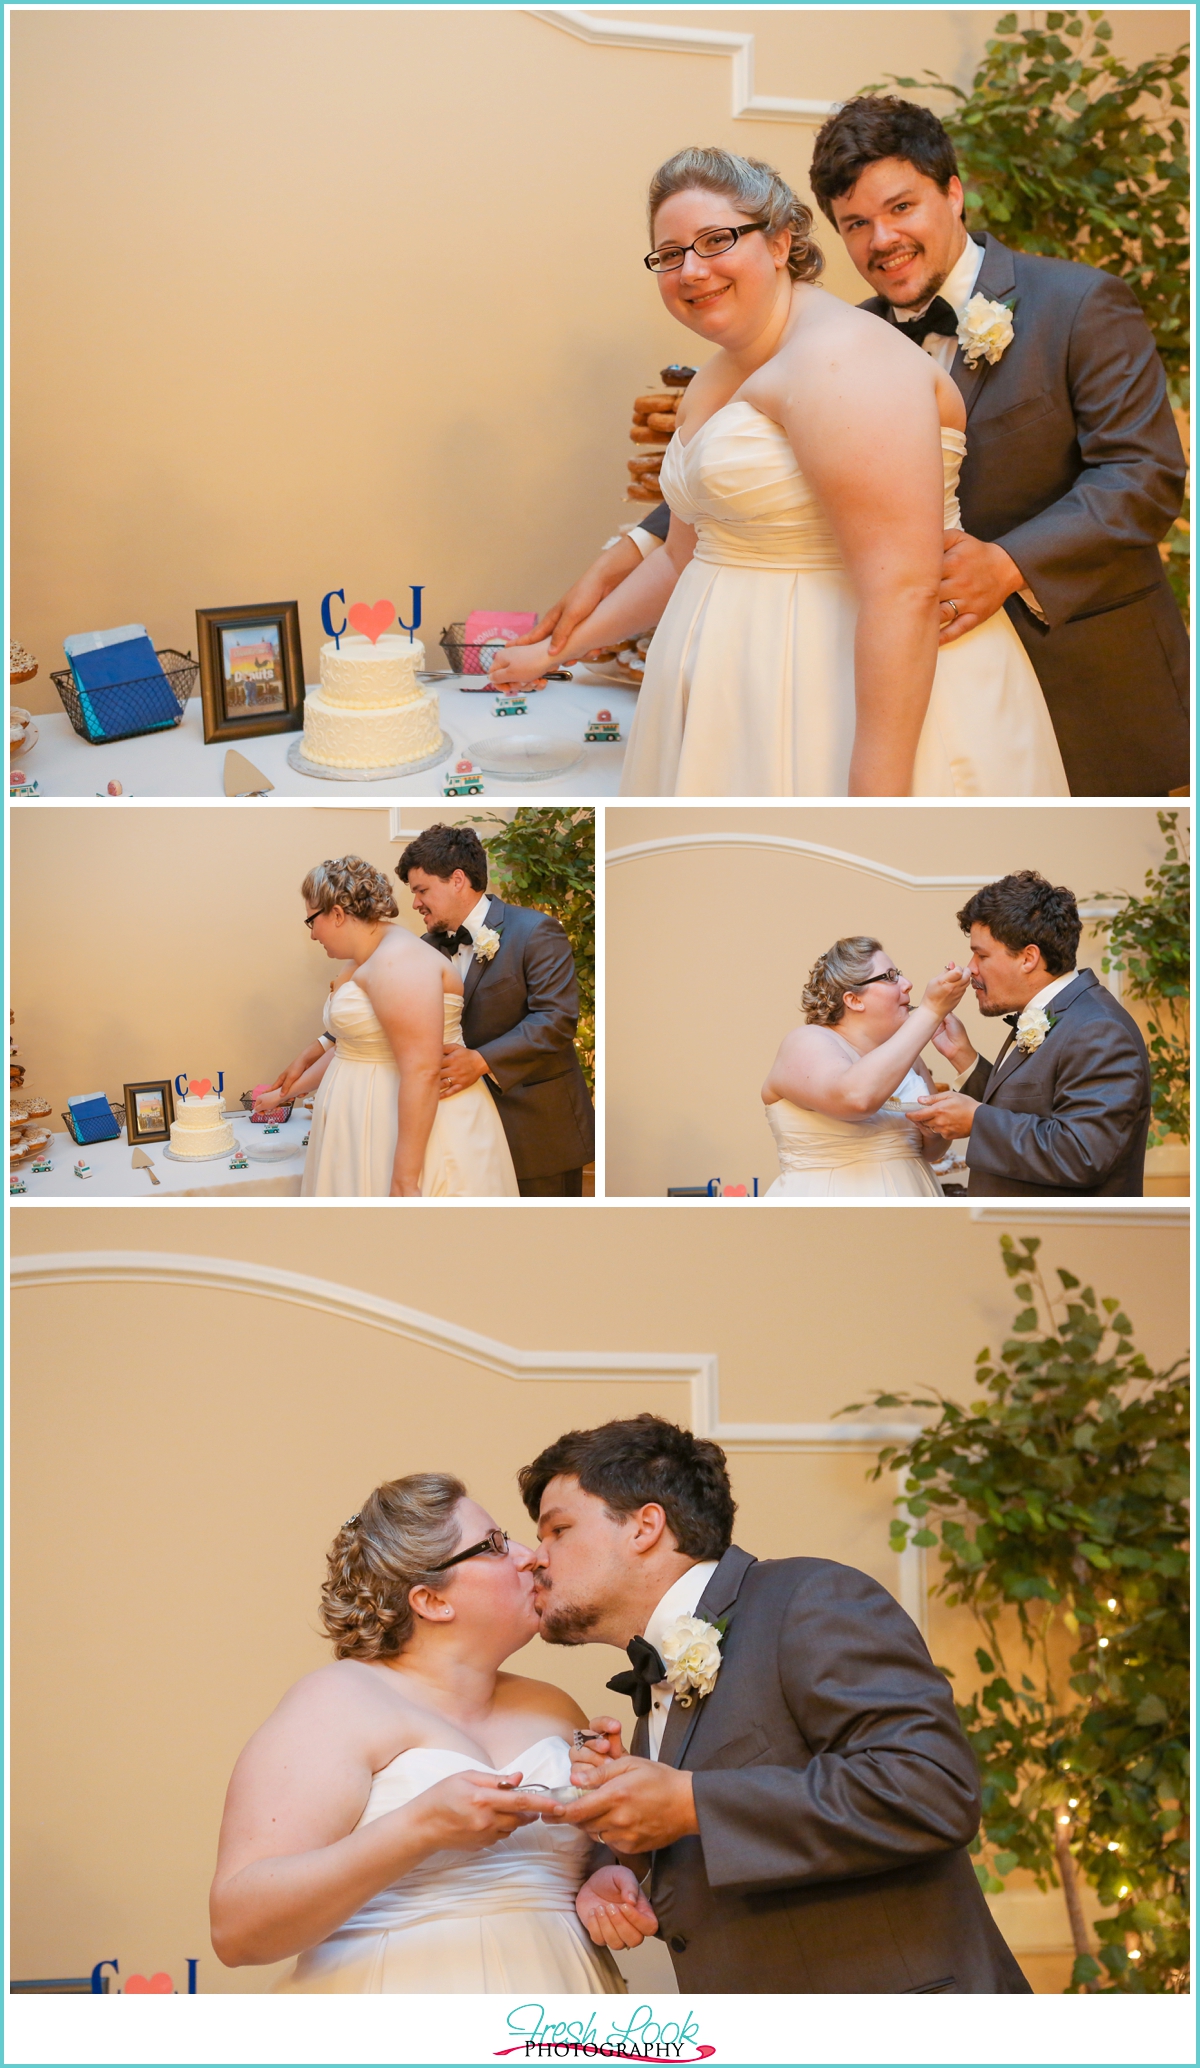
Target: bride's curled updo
x,y
404,1529
754,189
840,969
362,892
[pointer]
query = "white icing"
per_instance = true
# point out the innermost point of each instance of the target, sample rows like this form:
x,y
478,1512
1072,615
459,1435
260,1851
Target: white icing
x,y
200,1127
362,676
343,738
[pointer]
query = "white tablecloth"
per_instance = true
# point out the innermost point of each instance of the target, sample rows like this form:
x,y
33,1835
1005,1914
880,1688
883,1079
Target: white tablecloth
x,y
113,1175
178,764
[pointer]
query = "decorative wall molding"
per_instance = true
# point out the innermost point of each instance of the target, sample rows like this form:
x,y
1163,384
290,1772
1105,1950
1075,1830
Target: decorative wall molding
x,y
1091,910
697,1371
738,47
1151,1213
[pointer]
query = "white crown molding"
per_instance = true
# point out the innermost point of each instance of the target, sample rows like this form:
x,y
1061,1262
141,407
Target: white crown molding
x,y
739,47
698,1372
1150,1213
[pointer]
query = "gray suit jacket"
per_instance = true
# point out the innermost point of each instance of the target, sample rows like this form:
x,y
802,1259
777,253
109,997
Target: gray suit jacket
x,y
520,1012
835,1794
1074,466
1070,1118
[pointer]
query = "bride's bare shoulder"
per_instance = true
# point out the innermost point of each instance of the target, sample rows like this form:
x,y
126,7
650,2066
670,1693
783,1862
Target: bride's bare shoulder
x,y
516,1692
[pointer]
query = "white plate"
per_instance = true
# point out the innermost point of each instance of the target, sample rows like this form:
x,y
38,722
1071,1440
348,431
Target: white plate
x,y
524,757
604,671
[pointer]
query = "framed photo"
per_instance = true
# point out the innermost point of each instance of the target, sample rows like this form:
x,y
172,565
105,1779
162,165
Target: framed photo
x,y
149,1111
251,670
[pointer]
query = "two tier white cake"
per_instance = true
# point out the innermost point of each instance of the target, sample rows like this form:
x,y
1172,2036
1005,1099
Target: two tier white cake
x,y
200,1127
370,711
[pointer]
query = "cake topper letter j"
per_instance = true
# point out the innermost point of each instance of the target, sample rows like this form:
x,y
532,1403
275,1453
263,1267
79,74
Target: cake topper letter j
x,y
416,595
327,617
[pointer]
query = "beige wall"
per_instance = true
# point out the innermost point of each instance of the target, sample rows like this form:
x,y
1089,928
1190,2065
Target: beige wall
x,y
180,1458
719,980
178,942
305,299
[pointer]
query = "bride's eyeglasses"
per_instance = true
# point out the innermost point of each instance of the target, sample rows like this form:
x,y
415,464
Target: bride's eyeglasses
x,y
885,976
309,919
669,257
496,1541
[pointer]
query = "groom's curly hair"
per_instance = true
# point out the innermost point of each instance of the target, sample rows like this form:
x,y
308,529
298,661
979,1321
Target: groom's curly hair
x,y
875,126
1025,910
626,1464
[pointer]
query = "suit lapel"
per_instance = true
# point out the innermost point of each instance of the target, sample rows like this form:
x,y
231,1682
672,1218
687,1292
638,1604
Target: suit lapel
x,y
996,279
495,912
1059,1005
639,1743
718,1599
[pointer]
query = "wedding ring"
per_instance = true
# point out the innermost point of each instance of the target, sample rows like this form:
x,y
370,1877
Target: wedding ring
x,y
951,605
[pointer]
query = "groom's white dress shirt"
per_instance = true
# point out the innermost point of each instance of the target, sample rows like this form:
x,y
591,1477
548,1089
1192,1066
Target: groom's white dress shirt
x,y
681,1599
1037,1003
476,918
957,289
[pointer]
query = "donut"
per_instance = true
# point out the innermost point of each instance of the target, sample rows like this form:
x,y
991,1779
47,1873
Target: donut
x,y
659,420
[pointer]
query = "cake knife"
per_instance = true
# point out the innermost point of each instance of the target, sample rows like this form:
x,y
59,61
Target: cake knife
x,y
142,1162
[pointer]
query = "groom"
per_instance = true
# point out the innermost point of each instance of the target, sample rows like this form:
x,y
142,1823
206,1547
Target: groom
x,y
520,1009
808,1801
1064,1111
1074,470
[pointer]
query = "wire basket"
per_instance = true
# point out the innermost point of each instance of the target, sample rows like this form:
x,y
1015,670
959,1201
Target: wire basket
x,y
182,674
465,660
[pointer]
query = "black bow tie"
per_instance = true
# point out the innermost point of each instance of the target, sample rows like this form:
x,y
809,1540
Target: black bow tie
x,y
449,943
1011,1018
939,317
648,1670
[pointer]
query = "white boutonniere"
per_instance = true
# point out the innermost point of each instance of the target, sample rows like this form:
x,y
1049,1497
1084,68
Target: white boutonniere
x,y
985,330
487,940
691,1653
1033,1027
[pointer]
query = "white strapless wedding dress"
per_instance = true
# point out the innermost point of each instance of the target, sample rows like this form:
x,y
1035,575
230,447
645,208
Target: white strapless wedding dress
x,y
497,1921
352,1140
877,1157
749,682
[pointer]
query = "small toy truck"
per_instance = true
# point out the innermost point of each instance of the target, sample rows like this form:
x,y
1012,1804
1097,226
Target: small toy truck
x,y
511,704
603,727
465,782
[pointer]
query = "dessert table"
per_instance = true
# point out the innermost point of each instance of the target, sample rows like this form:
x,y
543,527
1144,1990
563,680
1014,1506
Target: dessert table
x,y
113,1175
177,763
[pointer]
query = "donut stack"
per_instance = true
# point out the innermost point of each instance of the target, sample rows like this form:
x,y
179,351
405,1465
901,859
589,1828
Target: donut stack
x,y
28,1129
654,426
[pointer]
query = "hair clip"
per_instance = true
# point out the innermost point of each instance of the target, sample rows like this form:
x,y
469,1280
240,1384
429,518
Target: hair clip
x,y
350,1521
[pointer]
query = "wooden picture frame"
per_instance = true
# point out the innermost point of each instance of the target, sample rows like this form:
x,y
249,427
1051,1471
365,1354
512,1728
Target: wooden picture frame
x,y
251,670
161,1088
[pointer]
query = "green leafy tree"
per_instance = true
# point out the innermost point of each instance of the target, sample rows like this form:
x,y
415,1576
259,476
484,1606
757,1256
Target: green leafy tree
x,y
1068,151
546,857
1057,1504
1150,941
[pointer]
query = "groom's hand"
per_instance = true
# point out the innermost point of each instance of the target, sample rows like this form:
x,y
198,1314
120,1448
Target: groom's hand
x,y
951,1040
461,1067
950,1114
640,1807
978,577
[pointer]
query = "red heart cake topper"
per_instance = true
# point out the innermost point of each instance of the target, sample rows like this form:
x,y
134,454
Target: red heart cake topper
x,y
200,1086
158,1985
371,618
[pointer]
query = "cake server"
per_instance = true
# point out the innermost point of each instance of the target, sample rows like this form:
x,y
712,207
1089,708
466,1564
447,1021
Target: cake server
x,y
142,1162
242,779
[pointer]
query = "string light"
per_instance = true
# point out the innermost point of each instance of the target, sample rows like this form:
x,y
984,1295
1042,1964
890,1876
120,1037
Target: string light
x,y
1113,1847
1124,1889
1064,1820
1103,1643
1072,1802
1111,1602
1135,1953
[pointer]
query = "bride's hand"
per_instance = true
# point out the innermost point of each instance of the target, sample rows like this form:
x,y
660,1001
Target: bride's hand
x,y
471,1810
942,992
613,1910
521,664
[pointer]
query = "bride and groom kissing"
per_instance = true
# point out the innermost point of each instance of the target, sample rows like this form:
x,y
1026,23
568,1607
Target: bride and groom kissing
x,y
1064,1110
792,1815
887,571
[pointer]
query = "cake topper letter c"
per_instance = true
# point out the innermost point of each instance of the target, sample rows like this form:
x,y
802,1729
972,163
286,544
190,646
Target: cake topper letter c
x,y
416,595
327,617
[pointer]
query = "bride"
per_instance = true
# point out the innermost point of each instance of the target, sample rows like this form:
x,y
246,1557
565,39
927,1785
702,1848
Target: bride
x,y
836,1091
374,1825
379,1128
811,479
